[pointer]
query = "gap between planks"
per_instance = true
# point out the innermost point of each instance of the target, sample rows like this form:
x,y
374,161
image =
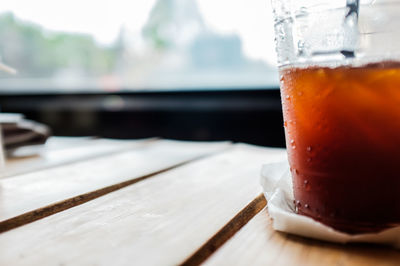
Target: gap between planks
x,y
226,232
63,205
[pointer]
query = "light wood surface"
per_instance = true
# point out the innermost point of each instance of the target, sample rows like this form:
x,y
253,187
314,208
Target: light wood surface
x,y
152,202
226,232
160,221
61,151
30,196
258,244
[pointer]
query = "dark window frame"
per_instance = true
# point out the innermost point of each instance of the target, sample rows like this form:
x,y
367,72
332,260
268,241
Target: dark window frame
x,y
252,115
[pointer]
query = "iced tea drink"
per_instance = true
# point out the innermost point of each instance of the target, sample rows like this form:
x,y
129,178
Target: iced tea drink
x,y
342,127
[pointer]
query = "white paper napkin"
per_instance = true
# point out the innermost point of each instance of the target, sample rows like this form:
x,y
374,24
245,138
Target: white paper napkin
x,y
277,185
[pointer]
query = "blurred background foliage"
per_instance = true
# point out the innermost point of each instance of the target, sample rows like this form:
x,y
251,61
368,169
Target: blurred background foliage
x,y
36,52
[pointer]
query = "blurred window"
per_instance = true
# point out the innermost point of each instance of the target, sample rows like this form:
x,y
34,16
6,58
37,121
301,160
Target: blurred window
x,y
76,46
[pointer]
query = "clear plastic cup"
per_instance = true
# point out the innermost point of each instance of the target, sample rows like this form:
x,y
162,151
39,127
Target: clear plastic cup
x,y
340,85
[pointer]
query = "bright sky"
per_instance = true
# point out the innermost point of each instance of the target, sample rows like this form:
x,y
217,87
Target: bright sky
x,y
251,19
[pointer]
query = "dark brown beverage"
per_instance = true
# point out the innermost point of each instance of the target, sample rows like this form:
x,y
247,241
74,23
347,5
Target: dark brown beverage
x,y
342,130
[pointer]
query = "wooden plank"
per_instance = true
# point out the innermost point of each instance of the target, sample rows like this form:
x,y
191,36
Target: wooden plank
x,y
223,235
32,196
159,221
61,151
258,244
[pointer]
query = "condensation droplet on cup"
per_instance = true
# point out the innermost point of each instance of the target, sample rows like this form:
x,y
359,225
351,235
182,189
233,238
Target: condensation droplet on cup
x,y
292,144
300,48
309,148
306,184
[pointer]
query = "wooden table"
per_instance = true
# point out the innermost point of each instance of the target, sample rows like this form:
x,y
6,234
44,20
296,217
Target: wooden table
x,y
151,202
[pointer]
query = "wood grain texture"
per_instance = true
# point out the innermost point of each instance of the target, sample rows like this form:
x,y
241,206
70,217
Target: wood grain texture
x,y
223,235
62,151
258,244
160,221
32,196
